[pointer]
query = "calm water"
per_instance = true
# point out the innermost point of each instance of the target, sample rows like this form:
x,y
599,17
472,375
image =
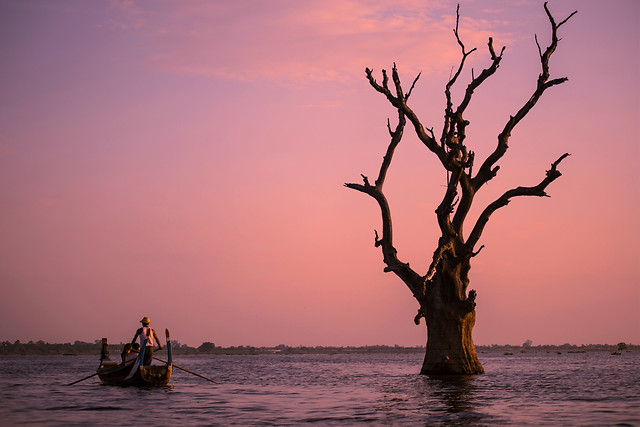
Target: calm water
x,y
594,388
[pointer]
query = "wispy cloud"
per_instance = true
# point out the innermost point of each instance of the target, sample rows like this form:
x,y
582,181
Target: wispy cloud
x,y
127,14
293,42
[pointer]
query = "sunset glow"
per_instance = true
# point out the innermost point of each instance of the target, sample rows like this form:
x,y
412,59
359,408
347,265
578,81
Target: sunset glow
x,y
185,161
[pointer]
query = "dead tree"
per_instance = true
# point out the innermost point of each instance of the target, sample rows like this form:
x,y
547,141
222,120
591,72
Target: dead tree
x,y
449,310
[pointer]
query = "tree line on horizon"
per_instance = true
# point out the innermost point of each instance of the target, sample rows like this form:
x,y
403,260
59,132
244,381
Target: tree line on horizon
x,y
84,348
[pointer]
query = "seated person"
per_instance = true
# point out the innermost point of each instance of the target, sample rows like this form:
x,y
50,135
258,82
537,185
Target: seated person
x,y
130,352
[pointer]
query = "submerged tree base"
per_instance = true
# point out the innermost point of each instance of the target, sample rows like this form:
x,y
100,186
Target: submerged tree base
x,y
442,292
453,364
450,349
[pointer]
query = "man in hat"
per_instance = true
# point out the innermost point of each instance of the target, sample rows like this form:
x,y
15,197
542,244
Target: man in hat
x,y
150,334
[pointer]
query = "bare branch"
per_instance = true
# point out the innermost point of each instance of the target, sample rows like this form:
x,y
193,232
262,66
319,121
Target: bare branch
x,y
458,161
396,83
448,129
456,122
537,190
494,57
393,264
454,131
377,241
399,101
473,254
412,86
487,171
455,31
486,73
396,136
372,81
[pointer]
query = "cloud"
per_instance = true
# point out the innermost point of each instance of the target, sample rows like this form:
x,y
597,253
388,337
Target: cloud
x,y
126,14
292,42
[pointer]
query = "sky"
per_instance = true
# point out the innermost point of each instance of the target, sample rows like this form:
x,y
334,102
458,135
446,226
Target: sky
x,y
185,160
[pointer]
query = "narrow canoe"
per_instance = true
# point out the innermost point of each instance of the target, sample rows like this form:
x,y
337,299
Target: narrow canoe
x,y
132,372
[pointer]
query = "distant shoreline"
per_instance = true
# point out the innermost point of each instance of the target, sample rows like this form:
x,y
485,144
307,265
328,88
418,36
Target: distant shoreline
x,y
84,348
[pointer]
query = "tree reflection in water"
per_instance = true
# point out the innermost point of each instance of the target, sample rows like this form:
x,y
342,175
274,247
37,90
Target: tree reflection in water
x,y
455,393
440,399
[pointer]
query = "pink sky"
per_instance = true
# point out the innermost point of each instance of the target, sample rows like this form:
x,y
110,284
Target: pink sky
x,y
185,161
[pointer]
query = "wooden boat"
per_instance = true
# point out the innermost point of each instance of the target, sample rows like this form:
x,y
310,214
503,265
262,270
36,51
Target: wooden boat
x,y
132,372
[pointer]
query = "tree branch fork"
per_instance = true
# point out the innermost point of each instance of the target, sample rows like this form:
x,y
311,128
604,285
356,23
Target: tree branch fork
x,y
457,160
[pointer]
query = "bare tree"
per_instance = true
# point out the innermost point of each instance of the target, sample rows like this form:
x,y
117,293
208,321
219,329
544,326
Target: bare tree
x,y
449,310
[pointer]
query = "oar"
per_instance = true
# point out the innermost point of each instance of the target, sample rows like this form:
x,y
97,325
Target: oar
x,y
86,378
186,370
180,367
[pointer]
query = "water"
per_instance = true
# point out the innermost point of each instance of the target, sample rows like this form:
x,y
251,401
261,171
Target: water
x,y
593,388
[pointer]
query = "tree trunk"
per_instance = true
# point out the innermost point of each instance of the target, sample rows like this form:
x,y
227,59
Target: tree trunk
x,y
442,293
450,317
450,348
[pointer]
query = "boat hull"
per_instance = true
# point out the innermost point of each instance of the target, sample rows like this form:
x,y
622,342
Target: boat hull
x,y
133,374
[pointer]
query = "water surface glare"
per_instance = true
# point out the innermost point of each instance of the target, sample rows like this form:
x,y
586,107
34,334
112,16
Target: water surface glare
x,y
534,388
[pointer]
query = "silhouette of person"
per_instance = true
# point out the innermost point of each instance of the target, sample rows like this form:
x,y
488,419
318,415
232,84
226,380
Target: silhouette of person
x,y
150,334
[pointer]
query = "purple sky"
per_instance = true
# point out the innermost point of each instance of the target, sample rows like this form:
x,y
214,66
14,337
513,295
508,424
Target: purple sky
x,y
185,161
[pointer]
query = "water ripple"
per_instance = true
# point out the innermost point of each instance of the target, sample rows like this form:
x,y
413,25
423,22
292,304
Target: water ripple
x,y
382,389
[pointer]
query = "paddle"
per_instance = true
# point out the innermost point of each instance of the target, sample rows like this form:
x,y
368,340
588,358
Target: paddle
x,y
86,378
180,367
186,370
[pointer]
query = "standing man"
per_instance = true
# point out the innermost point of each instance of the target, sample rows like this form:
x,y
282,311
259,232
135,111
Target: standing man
x,y
150,334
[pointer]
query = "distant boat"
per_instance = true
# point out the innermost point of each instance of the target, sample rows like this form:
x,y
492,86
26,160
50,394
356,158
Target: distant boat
x,y
132,372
